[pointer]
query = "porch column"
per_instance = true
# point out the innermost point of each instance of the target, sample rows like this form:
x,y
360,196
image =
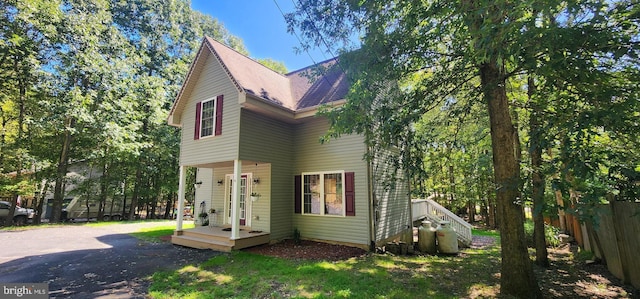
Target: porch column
x,y
235,199
180,199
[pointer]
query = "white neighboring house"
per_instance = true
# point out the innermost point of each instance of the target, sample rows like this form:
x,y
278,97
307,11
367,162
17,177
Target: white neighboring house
x,y
74,205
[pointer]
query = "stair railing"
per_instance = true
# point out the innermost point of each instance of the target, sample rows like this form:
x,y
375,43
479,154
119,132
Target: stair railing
x,y
428,208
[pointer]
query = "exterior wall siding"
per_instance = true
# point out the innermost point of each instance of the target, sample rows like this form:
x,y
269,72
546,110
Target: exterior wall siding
x,y
345,153
213,81
217,197
266,140
391,197
258,217
203,193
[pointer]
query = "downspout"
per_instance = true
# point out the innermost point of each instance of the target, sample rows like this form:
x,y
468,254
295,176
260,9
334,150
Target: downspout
x,y
407,180
371,198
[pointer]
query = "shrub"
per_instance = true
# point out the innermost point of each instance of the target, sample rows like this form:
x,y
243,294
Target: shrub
x,y
550,234
296,236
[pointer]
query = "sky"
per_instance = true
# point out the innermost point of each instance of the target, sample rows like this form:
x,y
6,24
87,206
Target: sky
x,y
262,28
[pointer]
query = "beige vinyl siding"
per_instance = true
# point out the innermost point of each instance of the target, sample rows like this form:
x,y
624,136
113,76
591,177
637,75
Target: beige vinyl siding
x,y
391,197
213,81
258,217
218,200
259,210
203,192
345,153
270,141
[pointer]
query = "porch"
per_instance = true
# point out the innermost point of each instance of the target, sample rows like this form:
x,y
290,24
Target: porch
x,y
219,238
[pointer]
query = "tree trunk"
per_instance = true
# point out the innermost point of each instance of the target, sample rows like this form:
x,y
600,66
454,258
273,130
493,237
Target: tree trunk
x,y
471,207
104,181
37,219
516,275
61,172
169,207
136,190
537,178
452,183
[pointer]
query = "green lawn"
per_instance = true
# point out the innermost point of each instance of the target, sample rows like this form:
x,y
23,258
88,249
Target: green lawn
x,y
153,234
247,275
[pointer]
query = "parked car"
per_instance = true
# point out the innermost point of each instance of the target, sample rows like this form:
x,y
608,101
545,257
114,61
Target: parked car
x,y
21,215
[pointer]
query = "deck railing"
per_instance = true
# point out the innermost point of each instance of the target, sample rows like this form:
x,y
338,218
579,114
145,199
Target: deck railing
x,y
431,210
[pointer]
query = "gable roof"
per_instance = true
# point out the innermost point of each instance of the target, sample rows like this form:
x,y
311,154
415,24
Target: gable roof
x,y
301,89
318,84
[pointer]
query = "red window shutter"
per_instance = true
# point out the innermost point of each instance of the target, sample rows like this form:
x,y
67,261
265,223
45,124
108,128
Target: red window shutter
x,y
349,193
196,134
219,101
298,194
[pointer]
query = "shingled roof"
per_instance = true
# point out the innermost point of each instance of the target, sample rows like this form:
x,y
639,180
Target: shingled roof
x,y
308,87
298,91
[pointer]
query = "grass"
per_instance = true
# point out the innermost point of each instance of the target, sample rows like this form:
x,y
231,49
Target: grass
x,y
484,232
91,224
246,275
153,234
107,223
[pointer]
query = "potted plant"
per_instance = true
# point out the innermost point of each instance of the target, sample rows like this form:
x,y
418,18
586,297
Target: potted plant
x,y
255,196
204,218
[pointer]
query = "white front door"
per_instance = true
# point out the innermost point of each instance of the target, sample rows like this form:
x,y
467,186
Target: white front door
x,y
243,200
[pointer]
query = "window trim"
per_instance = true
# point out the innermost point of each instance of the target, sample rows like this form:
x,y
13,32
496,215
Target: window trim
x,y
214,119
322,195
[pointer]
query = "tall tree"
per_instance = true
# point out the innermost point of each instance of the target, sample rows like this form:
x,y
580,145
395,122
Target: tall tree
x,y
451,44
97,79
25,31
454,42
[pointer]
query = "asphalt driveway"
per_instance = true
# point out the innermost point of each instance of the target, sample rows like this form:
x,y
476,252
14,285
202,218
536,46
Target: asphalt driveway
x,y
90,262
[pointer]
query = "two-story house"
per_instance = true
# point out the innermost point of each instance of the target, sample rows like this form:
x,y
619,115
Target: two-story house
x,y
248,129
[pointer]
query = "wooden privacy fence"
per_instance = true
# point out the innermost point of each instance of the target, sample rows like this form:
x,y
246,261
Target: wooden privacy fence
x,y
615,239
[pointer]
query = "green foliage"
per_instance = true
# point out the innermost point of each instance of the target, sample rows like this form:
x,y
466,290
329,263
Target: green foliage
x,y
584,255
550,234
297,238
93,81
277,66
417,57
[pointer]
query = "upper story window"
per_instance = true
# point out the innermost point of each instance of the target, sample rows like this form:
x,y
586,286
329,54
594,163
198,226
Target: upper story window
x,y
208,118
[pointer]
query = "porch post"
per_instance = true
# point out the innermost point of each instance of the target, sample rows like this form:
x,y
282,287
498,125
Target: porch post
x,y
235,199
180,199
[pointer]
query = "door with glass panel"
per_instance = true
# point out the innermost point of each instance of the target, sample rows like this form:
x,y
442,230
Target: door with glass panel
x,y
243,199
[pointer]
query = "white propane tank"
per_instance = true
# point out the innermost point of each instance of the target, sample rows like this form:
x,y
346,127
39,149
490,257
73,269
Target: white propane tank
x,y
427,238
447,238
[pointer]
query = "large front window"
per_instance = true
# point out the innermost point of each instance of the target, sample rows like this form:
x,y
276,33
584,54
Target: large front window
x,y
323,193
207,118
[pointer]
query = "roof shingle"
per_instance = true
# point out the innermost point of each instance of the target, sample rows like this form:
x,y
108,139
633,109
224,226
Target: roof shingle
x,y
308,87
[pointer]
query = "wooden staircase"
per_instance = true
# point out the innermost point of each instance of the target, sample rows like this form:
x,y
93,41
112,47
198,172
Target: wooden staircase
x,y
428,209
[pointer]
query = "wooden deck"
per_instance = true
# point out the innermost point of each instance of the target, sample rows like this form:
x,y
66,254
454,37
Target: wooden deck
x,y
215,238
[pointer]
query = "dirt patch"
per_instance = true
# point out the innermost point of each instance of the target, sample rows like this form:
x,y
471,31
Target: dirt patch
x,y
307,250
570,277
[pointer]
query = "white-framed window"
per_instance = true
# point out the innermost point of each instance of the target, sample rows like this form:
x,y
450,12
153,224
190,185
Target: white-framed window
x,y
208,117
323,193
